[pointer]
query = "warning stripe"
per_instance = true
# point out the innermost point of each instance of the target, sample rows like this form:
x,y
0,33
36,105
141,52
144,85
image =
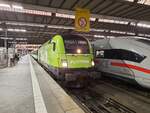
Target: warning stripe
x,y
39,103
147,71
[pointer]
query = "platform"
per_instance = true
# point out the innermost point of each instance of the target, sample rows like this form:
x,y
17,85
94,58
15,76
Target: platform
x,y
27,88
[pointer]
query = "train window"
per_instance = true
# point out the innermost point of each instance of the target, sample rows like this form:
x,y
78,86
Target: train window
x,y
54,46
99,54
139,58
120,54
132,56
112,54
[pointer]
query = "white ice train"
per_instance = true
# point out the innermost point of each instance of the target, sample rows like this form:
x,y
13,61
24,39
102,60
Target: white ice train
x,y
127,59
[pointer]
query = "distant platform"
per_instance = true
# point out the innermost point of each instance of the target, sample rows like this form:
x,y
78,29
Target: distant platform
x,y
27,88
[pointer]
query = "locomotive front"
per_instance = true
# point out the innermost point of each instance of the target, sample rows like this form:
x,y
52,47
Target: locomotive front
x,y
78,59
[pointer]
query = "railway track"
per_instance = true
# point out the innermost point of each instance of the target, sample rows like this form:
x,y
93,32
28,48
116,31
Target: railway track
x,y
130,89
136,102
104,97
97,103
134,88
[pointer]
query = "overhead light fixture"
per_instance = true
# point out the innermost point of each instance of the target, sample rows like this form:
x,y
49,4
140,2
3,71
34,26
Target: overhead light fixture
x,y
17,30
12,42
145,2
17,7
119,32
110,37
61,15
98,30
20,30
113,21
65,15
36,12
21,39
147,35
6,38
5,6
25,24
99,36
92,19
60,27
130,33
140,34
1,29
20,9
143,25
10,29
130,0
144,35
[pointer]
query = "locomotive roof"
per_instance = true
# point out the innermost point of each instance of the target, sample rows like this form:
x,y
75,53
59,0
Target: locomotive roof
x,y
73,36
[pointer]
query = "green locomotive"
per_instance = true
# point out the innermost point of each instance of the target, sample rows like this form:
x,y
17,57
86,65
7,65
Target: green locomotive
x,y
67,56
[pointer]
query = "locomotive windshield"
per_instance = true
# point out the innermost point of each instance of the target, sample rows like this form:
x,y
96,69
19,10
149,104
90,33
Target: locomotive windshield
x,y
75,44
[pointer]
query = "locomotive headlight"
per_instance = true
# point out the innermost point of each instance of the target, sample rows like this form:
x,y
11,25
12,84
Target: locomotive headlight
x,y
64,63
93,63
79,51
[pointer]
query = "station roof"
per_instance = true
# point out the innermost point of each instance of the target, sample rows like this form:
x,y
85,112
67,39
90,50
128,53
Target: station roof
x,y
36,20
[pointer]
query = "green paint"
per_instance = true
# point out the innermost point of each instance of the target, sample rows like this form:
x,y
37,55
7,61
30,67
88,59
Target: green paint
x,y
48,55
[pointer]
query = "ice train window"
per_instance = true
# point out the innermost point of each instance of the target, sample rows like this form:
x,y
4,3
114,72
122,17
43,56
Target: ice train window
x,y
132,56
99,53
120,54
108,54
113,54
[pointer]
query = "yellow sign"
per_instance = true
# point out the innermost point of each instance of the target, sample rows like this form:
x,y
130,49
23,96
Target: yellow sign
x,y
82,20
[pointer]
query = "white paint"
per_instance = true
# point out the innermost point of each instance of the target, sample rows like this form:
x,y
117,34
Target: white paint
x,y
38,98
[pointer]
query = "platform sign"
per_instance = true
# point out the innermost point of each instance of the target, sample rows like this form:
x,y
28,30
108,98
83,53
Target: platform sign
x,y
82,20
